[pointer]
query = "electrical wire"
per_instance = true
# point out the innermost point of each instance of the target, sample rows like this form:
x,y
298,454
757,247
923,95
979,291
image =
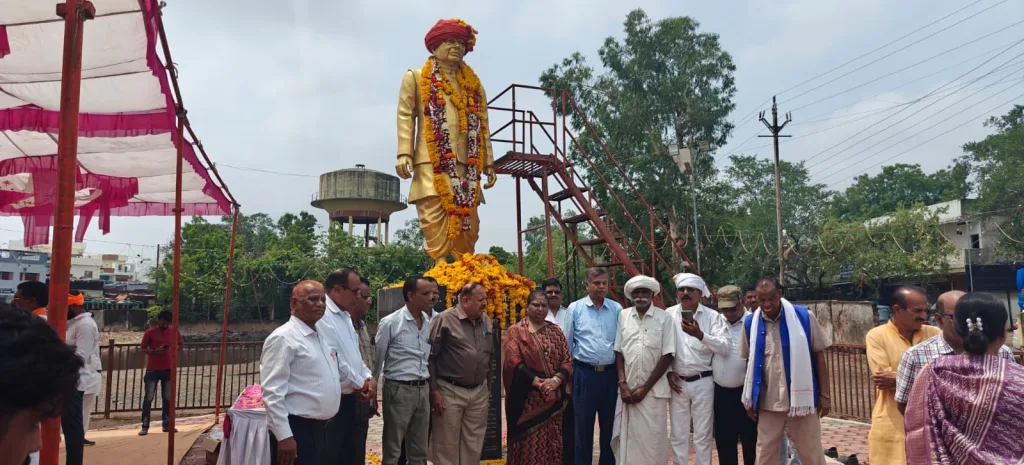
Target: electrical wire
x,y
915,101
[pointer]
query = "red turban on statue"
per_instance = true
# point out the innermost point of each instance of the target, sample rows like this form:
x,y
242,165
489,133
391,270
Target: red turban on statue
x,y
449,29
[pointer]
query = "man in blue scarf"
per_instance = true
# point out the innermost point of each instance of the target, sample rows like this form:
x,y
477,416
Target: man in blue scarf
x,y
787,378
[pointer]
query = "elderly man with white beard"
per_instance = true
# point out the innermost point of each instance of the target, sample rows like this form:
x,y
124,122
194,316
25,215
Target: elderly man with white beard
x,y
701,332
644,348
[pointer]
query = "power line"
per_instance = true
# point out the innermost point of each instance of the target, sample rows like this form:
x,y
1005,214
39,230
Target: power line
x,y
851,157
759,106
858,86
900,49
986,114
933,92
864,115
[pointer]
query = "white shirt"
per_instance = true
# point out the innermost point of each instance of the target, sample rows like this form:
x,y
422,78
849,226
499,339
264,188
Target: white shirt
x,y
84,336
563,320
402,348
731,369
354,372
299,375
693,356
642,342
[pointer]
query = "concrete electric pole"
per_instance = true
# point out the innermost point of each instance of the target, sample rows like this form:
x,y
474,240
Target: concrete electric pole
x,y
775,129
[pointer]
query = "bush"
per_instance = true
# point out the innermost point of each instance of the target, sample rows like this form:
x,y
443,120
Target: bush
x,y
153,312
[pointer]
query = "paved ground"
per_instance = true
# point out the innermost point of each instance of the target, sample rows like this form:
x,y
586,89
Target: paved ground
x,y
848,437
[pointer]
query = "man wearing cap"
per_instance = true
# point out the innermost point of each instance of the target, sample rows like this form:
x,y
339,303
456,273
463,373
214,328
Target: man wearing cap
x,y
644,348
731,421
700,333
444,141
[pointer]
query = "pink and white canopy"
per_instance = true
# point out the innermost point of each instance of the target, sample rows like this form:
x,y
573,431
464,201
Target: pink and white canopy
x,y
127,134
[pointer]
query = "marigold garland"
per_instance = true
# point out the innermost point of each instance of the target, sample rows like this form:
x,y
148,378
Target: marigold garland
x,y
499,282
458,195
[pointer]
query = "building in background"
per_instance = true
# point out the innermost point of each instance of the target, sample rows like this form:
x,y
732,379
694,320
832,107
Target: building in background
x,y
112,268
19,265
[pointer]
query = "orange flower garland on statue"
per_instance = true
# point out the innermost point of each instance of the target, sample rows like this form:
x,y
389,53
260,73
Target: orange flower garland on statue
x,y
458,195
499,283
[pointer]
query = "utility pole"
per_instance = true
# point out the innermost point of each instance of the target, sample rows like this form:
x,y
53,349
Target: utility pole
x,y
775,129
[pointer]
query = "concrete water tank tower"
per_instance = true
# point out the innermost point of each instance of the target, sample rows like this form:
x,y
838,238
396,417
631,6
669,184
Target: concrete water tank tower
x,y
361,196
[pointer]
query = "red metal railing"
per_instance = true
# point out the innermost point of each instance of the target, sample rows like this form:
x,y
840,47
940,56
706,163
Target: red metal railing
x,y
124,367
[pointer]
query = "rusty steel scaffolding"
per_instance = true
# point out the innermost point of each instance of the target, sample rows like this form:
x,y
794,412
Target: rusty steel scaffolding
x,y
539,152
75,13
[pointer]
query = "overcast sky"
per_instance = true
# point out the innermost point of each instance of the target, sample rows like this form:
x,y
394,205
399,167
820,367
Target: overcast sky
x,y
310,86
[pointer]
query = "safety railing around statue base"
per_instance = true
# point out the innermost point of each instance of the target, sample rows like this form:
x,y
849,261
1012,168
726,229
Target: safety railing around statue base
x,y
124,368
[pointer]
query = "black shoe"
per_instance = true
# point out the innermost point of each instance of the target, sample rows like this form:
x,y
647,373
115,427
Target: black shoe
x,y
849,460
89,443
831,452
175,430
143,431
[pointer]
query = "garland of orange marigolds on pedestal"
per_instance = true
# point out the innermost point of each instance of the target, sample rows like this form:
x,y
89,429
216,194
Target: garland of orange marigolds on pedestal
x,y
499,283
458,195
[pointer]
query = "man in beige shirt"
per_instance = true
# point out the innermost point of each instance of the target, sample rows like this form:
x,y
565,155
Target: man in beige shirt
x,y
778,398
462,342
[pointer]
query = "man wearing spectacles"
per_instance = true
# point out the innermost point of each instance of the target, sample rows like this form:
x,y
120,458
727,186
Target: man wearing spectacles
x,y
948,342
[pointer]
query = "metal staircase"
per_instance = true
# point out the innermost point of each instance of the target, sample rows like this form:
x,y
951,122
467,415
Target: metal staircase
x,y
537,153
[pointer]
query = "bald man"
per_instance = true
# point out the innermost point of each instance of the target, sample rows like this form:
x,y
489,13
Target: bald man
x,y
948,342
301,383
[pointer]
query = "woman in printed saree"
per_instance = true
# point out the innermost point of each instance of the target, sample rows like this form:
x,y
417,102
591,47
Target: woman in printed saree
x,y
535,371
967,409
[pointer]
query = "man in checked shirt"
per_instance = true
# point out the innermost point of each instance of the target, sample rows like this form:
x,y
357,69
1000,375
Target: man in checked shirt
x,y
948,342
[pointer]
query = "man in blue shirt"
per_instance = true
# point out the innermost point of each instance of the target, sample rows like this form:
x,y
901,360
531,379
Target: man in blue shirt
x,y
594,379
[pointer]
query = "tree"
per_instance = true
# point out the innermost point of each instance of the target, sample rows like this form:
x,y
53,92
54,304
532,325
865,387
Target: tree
x,y
906,246
410,234
752,251
900,185
997,165
665,82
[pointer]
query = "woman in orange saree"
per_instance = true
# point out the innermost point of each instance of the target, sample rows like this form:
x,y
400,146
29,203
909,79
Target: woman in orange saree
x,y
535,372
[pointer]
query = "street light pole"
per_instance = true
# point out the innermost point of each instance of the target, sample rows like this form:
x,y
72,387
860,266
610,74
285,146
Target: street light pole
x,y
775,129
693,196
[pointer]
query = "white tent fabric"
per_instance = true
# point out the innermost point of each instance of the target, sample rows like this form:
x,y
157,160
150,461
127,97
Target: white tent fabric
x,y
127,135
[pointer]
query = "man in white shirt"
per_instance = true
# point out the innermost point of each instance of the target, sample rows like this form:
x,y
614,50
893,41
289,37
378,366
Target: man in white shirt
x,y
343,295
83,336
644,347
302,383
562,318
731,421
403,348
700,333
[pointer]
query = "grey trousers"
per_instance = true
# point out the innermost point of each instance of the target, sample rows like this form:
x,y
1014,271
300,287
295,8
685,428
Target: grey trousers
x,y
406,418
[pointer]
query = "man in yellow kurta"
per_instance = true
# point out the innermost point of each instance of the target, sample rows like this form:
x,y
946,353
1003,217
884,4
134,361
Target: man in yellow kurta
x,y
885,347
444,141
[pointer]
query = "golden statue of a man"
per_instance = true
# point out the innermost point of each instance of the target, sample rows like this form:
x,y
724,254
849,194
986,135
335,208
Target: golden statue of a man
x,y
444,141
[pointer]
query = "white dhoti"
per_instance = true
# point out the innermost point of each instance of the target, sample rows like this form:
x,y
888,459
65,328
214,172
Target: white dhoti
x,y
640,433
696,402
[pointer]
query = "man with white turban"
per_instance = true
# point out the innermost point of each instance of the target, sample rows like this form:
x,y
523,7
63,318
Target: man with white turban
x,y
701,332
644,348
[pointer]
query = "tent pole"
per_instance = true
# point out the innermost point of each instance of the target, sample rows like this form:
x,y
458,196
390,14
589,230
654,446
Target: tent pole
x,y
176,292
224,324
74,12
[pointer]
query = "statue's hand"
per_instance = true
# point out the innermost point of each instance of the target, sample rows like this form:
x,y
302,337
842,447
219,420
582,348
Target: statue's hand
x,y
404,166
491,177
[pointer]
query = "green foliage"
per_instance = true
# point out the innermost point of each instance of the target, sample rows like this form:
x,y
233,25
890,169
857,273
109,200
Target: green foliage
x,y
897,186
270,258
154,311
997,165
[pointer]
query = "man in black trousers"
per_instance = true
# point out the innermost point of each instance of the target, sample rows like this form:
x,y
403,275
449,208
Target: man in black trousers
x,y
731,421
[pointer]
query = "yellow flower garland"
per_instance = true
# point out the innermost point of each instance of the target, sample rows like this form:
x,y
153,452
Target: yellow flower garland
x,y
499,282
467,98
